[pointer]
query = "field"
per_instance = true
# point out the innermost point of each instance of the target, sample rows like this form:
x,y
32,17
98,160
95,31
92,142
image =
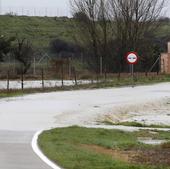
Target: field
x,y
82,148
41,30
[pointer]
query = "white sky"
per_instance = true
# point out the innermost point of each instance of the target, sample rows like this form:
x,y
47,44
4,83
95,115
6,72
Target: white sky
x,y
36,7
44,7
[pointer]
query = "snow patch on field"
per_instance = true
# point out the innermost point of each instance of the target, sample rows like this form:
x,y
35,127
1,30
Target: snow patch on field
x,y
157,113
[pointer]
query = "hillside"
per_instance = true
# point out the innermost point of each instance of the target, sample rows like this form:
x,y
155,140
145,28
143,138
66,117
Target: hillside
x,y
41,30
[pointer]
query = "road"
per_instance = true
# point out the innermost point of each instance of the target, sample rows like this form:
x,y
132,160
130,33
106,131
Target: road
x,y
21,117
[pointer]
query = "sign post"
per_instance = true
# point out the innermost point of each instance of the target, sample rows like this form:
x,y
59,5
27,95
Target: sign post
x,y
132,59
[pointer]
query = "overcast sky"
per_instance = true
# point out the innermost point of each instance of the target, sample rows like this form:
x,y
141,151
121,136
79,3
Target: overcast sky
x,y
36,7
43,7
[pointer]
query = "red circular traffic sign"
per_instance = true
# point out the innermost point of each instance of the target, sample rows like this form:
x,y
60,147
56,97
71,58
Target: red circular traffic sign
x,y
132,58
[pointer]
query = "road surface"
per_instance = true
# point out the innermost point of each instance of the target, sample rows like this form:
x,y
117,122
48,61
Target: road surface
x,y
21,117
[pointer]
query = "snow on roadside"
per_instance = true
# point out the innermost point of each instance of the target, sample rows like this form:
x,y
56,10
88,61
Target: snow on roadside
x,y
83,107
38,83
151,113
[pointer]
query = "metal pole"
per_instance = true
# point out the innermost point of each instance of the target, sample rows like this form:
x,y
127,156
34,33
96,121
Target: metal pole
x,y
132,75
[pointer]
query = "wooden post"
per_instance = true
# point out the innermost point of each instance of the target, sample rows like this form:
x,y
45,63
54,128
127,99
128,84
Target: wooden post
x,y
8,81
42,77
75,76
69,68
101,66
22,79
132,75
105,74
97,77
62,74
34,66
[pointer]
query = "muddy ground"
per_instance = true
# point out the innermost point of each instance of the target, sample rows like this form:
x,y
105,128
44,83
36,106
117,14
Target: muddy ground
x,y
159,156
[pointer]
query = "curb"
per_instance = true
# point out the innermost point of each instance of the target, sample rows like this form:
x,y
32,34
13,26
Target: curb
x,y
39,153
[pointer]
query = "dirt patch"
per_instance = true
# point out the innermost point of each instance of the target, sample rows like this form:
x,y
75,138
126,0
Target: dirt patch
x,y
152,157
116,154
149,157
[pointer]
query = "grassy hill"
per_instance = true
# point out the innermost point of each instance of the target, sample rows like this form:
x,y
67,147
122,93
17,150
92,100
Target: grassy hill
x,y
41,30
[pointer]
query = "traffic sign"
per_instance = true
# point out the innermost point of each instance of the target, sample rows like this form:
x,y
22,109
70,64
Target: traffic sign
x,y
132,58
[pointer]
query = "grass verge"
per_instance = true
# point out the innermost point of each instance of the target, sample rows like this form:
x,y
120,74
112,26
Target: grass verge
x,y
82,148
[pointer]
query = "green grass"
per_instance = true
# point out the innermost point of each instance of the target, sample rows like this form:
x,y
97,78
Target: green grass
x,y
64,146
4,94
41,30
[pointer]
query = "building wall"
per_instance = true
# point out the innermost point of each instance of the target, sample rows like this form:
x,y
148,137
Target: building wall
x,y
168,47
165,63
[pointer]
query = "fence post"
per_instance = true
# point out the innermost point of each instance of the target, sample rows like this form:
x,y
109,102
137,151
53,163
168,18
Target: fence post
x,y
22,79
62,74
97,77
69,67
8,81
42,77
92,81
75,76
118,76
105,75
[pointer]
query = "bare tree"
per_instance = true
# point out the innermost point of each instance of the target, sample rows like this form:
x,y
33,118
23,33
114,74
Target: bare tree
x,y
91,16
132,21
104,23
23,53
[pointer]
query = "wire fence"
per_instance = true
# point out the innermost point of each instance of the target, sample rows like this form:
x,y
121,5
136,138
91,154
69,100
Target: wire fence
x,y
45,79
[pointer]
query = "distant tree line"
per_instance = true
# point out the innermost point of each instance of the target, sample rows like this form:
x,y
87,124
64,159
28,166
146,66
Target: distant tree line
x,y
108,29
105,30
